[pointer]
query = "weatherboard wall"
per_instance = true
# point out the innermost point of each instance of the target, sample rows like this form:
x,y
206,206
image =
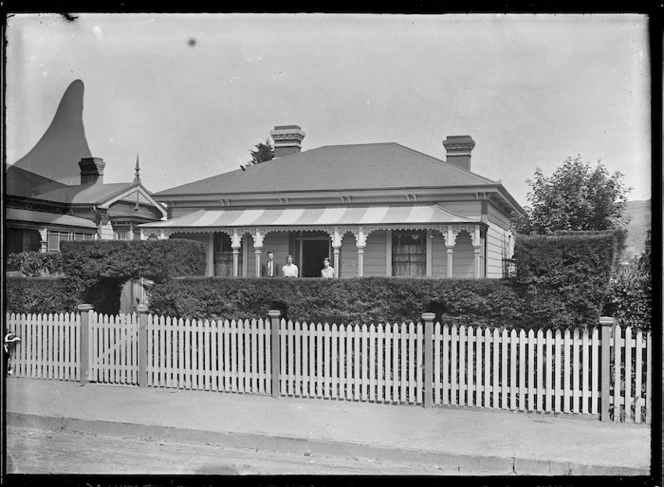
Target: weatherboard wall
x,y
499,241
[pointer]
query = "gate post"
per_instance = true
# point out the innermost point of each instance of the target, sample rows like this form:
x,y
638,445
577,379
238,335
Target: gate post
x,y
84,359
606,325
142,345
428,359
275,351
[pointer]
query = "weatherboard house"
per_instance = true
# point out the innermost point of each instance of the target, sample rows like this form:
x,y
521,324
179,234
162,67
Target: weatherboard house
x,y
57,192
377,209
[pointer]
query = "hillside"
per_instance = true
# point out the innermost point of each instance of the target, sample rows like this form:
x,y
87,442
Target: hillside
x,y
640,218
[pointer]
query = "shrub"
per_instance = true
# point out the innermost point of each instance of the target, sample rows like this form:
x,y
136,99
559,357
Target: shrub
x,y
630,293
41,295
36,264
363,300
629,298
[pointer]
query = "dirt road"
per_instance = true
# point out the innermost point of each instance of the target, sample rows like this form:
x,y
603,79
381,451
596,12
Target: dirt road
x,y
37,451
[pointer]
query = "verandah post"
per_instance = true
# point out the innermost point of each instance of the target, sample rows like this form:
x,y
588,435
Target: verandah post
x,y
142,345
428,359
275,350
84,359
606,325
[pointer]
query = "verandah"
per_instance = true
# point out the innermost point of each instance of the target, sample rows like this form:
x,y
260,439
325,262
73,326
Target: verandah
x,y
337,223
409,252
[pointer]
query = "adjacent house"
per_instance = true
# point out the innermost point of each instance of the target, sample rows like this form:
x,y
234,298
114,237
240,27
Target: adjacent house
x,y
379,209
57,192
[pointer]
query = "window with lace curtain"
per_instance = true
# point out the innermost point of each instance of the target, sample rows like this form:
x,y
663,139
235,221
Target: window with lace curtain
x,y
409,253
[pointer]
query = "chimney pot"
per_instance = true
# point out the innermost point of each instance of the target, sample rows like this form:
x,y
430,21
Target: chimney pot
x,y
287,140
92,170
458,149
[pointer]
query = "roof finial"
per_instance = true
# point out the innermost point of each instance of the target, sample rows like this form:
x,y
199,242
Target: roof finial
x,y
137,172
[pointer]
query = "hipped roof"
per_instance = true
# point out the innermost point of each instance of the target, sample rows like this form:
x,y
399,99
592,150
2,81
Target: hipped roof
x,y
338,167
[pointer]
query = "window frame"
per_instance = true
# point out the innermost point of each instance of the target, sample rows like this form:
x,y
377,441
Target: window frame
x,y
417,259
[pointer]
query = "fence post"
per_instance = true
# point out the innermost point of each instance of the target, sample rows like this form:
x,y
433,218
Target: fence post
x,y
142,345
428,358
84,359
275,351
606,325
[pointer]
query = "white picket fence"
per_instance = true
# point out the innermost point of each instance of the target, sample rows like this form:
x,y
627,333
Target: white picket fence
x,y
379,363
633,363
229,356
554,372
49,346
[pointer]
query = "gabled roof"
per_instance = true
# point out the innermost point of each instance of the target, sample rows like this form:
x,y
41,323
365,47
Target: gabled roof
x,y
338,167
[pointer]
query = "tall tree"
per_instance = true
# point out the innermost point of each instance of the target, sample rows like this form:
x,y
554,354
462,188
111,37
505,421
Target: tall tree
x,y
576,196
262,152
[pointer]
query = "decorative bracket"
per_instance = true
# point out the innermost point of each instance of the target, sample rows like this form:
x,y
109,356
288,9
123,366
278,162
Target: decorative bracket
x,y
236,239
475,236
259,235
361,235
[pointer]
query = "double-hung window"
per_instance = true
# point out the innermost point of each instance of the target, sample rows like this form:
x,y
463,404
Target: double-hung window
x,y
409,253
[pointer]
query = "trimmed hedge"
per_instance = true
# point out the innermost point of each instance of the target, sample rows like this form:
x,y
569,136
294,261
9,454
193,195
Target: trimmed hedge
x,y
575,266
96,270
567,256
41,295
101,267
131,259
483,302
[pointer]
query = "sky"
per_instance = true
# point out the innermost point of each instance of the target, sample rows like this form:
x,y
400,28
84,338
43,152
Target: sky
x,y
192,94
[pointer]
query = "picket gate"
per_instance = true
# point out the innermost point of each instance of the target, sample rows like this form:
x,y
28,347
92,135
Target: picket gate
x,y
114,348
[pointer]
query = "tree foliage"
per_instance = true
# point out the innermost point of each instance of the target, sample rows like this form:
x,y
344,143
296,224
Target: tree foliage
x,y
576,197
262,152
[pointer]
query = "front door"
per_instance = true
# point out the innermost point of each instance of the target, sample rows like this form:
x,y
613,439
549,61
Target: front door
x,y
313,253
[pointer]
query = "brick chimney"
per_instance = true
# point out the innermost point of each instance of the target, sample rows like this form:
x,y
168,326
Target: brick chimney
x,y
287,140
458,149
92,170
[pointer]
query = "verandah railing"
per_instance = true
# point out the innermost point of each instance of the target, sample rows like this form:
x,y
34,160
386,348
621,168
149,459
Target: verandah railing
x,y
415,363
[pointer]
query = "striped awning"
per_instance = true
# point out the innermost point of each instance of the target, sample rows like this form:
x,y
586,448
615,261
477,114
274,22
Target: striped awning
x,y
312,217
18,216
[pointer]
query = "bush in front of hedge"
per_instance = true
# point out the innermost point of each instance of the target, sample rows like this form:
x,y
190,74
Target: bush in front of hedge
x,y
476,302
41,295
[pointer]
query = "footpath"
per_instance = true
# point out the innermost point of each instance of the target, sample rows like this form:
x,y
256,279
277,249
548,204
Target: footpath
x,y
495,441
